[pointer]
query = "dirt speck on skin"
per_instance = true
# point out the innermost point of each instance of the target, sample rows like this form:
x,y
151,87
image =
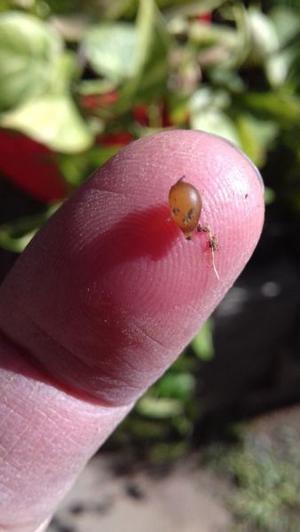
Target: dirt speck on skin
x,y
184,500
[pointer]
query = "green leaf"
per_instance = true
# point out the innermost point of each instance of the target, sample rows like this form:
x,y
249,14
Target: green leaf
x,y
269,195
281,106
110,49
16,235
263,36
153,44
145,34
52,120
119,8
207,114
149,79
216,122
202,344
133,56
281,65
29,51
286,21
15,244
256,136
63,71
76,167
158,408
277,68
222,46
176,386
189,7
94,86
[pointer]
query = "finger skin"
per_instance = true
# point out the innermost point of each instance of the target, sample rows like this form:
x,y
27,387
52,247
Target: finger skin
x,y
104,299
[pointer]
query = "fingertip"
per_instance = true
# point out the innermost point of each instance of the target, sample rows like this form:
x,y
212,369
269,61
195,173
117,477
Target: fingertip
x,y
121,291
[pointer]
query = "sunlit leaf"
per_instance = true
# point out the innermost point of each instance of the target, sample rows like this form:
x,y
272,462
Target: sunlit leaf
x,y
133,56
175,385
29,51
286,21
150,58
159,408
120,8
15,245
263,35
277,68
216,122
52,120
281,106
207,113
95,86
255,136
110,50
285,63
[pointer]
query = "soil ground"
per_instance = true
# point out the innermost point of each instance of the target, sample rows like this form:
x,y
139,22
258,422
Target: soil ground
x,y
186,498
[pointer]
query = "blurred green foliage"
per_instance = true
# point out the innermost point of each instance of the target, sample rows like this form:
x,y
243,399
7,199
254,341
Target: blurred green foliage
x,y
84,77
213,64
264,477
161,425
76,76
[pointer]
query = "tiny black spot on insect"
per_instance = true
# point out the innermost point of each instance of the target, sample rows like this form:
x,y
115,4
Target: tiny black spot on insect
x,y
190,213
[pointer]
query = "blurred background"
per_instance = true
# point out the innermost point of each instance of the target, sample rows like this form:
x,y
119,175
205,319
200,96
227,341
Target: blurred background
x,y
214,445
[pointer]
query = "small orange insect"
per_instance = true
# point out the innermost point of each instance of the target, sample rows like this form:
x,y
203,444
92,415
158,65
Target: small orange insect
x,y
186,205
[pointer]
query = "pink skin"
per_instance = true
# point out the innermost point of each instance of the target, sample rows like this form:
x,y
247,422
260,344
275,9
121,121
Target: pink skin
x,y
103,301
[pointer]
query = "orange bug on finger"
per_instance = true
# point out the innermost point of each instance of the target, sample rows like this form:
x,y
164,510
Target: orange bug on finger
x,y
185,205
